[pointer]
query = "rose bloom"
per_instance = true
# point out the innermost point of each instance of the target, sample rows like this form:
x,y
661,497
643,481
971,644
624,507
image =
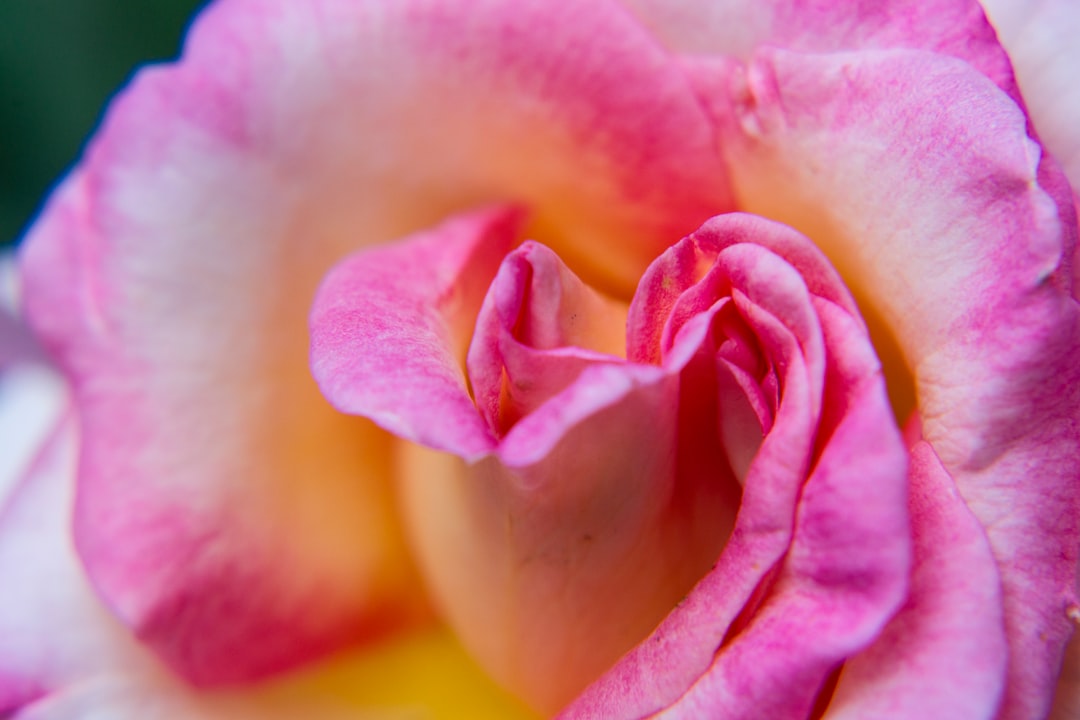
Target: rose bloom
x,y
610,360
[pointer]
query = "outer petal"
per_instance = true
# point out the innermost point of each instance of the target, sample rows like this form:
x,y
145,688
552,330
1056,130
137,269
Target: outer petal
x,y
423,674
51,627
944,654
63,655
17,344
962,253
172,275
1040,36
733,27
32,396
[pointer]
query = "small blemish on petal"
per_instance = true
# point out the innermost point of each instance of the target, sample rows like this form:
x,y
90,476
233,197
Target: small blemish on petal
x,y
744,103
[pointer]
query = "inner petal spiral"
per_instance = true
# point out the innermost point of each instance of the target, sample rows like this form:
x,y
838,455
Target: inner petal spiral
x,y
586,489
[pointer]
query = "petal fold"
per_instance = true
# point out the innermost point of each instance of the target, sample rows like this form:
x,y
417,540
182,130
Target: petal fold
x,y
944,655
966,266
800,556
540,326
389,329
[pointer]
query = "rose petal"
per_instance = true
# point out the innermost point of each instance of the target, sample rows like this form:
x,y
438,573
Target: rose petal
x,y
558,555
63,655
418,674
916,174
944,655
172,275
733,27
844,573
683,265
539,327
52,628
145,696
191,511
32,401
17,342
1039,36
526,548
576,526
389,328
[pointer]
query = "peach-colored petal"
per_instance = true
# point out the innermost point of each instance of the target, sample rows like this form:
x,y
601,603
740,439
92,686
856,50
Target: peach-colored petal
x,y
567,521
591,515
557,555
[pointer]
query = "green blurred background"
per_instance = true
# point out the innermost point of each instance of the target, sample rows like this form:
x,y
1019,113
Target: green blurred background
x,y
60,61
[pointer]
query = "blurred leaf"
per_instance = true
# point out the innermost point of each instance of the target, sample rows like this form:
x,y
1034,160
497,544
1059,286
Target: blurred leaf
x,y
60,61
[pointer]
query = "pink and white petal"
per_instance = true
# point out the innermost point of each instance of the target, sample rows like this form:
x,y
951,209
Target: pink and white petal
x,y
1040,37
172,276
53,630
9,282
33,401
33,396
944,655
206,513
1020,473
16,342
389,329
556,309
732,27
62,654
916,175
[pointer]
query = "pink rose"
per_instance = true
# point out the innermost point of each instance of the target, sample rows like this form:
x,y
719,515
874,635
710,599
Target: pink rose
x,y
560,324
